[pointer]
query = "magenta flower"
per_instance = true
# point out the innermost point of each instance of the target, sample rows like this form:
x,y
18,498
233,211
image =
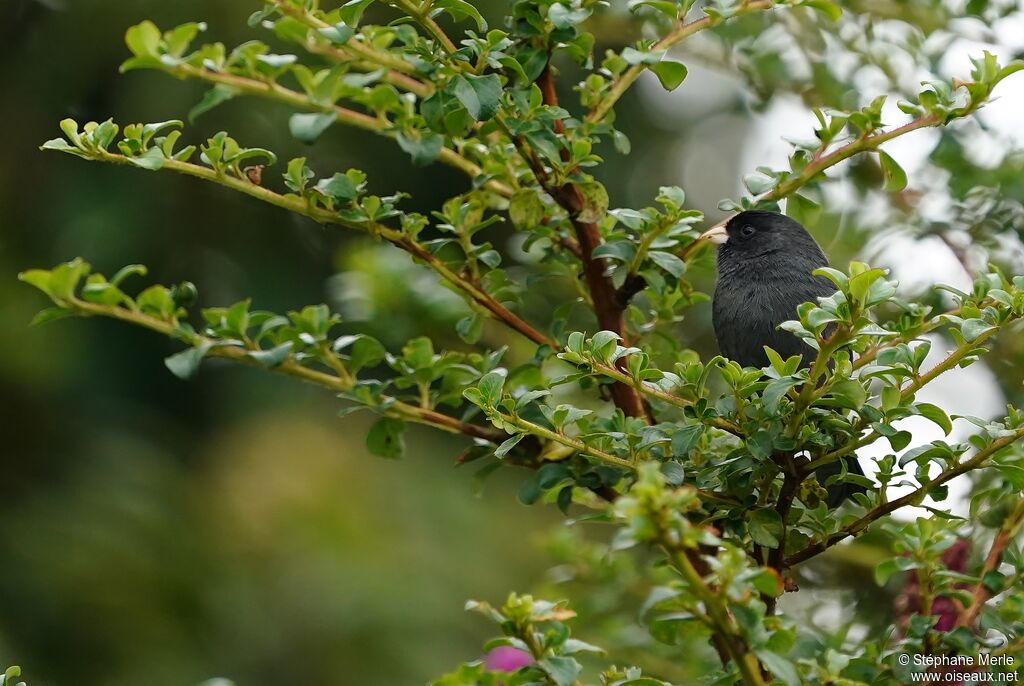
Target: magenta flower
x,y
507,659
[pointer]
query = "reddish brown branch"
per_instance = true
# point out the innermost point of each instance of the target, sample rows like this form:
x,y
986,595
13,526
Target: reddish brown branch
x,y
1007,532
607,305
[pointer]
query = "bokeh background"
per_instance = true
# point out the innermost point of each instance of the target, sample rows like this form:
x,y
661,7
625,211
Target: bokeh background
x,y
161,532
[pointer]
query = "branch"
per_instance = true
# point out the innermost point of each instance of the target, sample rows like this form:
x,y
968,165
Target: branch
x,y
952,360
297,205
1007,532
910,499
275,91
722,623
791,481
861,144
570,442
681,32
342,382
289,367
360,50
607,307
664,396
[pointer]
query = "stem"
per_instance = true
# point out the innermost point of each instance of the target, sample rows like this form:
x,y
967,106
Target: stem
x,y
275,91
723,624
367,52
862,144
289,367
952,360
790,484
912,498
664,396
299,205
395,78
1006,534
681,32
422,15
568,441
606,304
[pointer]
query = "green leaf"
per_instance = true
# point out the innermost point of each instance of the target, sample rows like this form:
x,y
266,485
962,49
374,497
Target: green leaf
x,y
526,209
185,364
50,314
423,148
180,37
972,329
684,440
308,127
64,278
766,527
352,11
459,10
775,391
935,414
563,17
419,353
861,281
900,440
339,34
892,566
490,386
126,271
895,177
562,670
143,39
503,449
480,95
386,438
827,7
768,582
366,352
470,327
339,187
848,393
784,669
671,74
673,472
151,160
218,95
669,262
60,145
40,278
530,491
272,357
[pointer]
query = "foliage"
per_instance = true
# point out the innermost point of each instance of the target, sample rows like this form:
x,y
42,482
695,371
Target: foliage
x,y
711,464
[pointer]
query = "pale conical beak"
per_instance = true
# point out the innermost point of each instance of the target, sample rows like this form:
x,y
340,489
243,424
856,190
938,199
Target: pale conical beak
x,y
716,234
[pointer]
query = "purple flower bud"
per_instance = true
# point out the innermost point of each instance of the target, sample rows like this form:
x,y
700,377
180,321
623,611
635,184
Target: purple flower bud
x,y
507,659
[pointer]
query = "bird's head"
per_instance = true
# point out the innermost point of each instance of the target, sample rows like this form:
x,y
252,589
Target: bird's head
x,y
756,234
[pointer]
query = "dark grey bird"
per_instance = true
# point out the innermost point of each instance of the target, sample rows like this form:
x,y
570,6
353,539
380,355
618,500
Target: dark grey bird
x,y
765,265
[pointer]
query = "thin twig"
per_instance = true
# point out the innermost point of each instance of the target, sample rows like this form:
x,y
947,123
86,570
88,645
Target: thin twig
x,y
298,205
681,32
1006,534
912,498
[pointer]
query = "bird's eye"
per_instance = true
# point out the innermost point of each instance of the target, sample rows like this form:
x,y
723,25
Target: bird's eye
x,y
747,231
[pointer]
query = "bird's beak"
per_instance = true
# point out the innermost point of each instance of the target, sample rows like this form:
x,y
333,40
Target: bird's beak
x,y
716,234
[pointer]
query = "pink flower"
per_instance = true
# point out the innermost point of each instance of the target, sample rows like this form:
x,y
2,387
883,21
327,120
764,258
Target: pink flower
x,y
507,659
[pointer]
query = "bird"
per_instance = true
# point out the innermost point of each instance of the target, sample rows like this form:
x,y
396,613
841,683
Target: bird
x,y
766,262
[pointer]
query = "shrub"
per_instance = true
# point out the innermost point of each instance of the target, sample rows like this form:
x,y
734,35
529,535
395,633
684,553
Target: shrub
x,y
710,465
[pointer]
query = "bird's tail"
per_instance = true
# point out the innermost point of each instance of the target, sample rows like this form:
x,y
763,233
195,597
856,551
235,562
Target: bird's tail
x,y
839,493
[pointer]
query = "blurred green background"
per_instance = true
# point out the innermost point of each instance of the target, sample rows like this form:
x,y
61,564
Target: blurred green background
x,y
160,532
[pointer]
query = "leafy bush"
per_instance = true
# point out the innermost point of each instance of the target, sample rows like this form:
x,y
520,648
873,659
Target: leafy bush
x,y
709,464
